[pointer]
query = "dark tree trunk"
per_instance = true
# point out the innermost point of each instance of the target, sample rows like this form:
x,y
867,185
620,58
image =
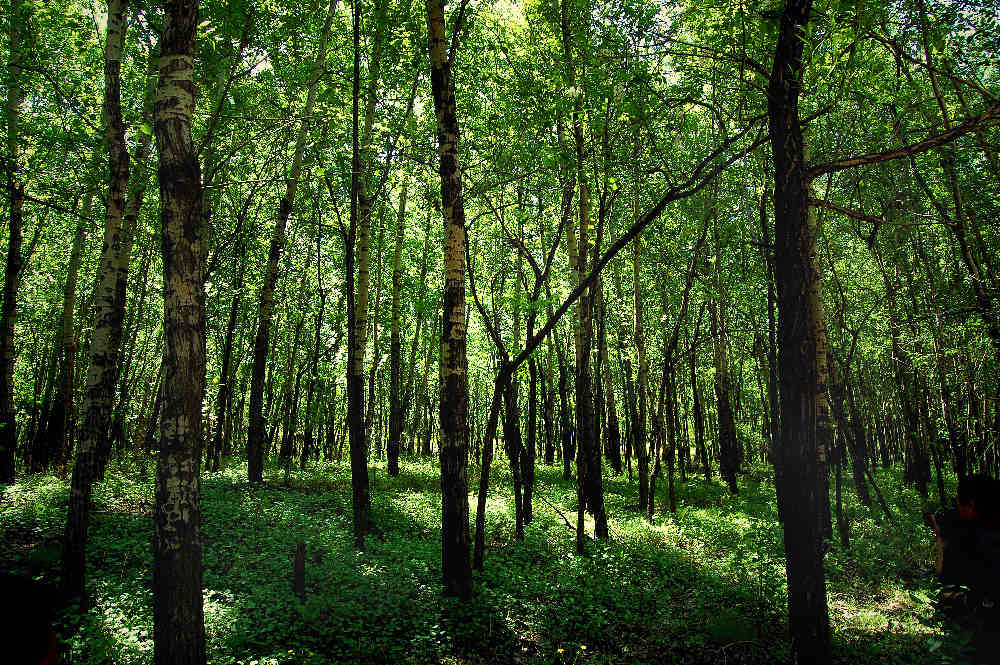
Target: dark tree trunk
x,y
455,540
307,442
256,443
696,409
227,375
395,346
19,13
356,331
565,422
809,623
178,619
528,451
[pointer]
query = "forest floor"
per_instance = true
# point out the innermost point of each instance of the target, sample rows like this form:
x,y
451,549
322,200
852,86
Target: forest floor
x,y
705,585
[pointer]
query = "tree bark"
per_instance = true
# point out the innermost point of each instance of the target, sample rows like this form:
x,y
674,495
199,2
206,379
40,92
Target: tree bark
x,y
178,618
19,12
109,312
395,347
588,449
729,447
807,609
455,540
56,438
639,444
226,374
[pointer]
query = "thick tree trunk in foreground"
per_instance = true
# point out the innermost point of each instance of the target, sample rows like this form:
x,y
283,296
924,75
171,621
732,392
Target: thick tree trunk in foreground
x,y
455,540
178,618
800,492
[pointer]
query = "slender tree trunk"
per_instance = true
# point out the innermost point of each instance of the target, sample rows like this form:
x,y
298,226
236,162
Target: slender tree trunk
x,y
729,453
395,348
696,408
178,618
109,311
773,406
226,375
612,446
455,540
262,341
549,402
54,444
529,452
588,449
19,13
307,442
639,444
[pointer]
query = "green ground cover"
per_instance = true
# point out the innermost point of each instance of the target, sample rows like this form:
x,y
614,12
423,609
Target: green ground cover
x,y
703,586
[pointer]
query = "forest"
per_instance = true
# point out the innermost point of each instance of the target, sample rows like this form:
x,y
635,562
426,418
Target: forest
x,y
500,331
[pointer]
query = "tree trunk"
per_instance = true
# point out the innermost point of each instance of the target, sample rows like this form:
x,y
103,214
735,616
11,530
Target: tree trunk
x,y
825,430
226,374
262,341
109,312
809,623
455,540
307,442
639,444
357,303
56,439
729,452
411,365
395,348
19,13
699,419
178,618
549,401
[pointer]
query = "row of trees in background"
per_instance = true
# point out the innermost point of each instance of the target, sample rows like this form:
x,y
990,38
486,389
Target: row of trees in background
x,y
675,239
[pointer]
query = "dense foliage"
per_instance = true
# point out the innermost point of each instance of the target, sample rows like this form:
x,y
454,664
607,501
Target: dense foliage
x,y
614,244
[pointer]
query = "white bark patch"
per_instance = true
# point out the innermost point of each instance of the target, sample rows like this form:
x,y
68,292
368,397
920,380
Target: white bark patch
x,y
175,98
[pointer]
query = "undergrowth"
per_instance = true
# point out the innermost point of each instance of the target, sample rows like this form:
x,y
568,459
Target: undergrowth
x,y
704,585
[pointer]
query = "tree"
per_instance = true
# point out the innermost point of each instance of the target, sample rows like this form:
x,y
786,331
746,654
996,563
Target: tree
x,y
454,381
795,274
262,342
19,18
178,616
